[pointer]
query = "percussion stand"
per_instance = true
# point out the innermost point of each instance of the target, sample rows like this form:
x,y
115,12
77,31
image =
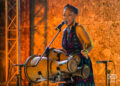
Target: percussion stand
x,y
19,76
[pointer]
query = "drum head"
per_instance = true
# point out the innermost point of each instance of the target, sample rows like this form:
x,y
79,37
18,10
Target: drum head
x,y
72,66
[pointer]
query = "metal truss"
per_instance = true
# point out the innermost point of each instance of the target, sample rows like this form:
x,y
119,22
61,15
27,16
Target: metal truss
x,y
12,35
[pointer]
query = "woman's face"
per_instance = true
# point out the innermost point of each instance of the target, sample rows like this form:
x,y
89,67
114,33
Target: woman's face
x,y
68,16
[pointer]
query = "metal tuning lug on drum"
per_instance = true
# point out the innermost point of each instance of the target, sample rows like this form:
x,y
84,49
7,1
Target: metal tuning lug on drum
x,y
39,73
72,79
59,72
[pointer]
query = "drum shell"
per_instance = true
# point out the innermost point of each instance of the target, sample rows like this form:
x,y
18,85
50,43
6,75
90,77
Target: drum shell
x,y
70,66
59,55
32,73
56,54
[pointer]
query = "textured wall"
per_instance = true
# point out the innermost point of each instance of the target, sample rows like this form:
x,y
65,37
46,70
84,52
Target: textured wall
x,y
102,21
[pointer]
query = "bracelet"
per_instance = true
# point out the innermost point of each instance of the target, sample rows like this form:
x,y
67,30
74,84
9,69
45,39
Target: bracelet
x,y
86,50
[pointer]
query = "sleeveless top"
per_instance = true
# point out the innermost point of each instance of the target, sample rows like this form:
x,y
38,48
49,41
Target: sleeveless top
x,y
71,43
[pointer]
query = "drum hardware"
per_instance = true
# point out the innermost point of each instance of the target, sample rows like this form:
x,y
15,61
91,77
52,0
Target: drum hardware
x,y
62,62
67,77
54,79
59,72
19,76
72,79
40,75
70,57
79,68
41,78
58,51
59,78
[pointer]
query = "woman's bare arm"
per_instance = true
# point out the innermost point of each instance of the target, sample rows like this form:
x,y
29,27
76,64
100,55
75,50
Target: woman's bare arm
x,y
84,38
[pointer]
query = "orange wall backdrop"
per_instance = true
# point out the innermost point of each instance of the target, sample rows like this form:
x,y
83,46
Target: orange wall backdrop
x,y
102,21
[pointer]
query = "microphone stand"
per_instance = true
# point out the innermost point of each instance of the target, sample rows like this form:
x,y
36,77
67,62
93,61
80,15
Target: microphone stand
x,y
47,54
106,71
47,48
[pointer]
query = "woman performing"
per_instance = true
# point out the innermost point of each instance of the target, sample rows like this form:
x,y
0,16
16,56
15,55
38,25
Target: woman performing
x,y
77,41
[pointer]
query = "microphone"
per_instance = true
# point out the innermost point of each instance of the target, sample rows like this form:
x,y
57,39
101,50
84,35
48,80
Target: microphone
x,y
104,61
60,25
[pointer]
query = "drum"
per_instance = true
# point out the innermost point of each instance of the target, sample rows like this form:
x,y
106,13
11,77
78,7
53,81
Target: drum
x,y
68,66
82,72
77,58
57,54
38,73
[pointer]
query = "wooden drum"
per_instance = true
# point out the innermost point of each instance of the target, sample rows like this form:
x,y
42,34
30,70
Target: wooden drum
x,y
59,55
39,72
56,54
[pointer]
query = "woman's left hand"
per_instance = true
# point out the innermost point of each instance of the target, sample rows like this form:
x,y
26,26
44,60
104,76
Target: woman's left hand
x,y
84,53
